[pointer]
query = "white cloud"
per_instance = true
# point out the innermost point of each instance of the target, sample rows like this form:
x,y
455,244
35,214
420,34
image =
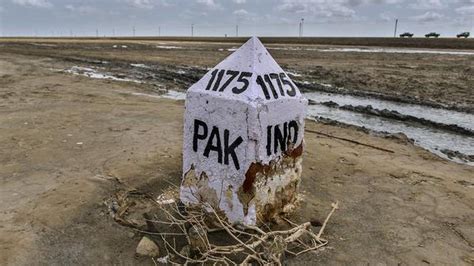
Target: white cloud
x,y
147,4
465,10
428,4
241,12
329,8
390,2
33,3
428,16
239,1
325,8
81,9
211,4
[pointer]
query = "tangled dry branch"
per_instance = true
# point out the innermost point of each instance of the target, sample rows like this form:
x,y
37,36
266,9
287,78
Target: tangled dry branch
x,y
230,244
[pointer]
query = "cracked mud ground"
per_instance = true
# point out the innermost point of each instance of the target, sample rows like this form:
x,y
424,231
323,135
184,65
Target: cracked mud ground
x,y
66,140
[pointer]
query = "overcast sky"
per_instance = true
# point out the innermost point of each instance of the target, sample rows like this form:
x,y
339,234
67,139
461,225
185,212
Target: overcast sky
x,y
219,17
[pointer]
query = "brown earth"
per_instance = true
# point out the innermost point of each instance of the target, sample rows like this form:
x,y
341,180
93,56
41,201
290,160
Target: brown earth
x,y
432,79
68,143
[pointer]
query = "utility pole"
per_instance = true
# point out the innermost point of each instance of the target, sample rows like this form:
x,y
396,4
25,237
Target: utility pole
x,y
301,28
395,31
113,32
192,30
97,33
159,31
236,30
133,29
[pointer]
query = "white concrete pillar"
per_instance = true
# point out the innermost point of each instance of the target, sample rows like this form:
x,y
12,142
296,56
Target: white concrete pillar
x,y
243,137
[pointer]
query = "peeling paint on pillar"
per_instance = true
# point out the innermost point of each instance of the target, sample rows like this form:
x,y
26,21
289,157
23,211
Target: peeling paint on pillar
x,y
243,138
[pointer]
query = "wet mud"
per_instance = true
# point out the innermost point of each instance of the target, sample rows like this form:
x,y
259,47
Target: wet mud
x,y
311,87
392,114
159,75
456,154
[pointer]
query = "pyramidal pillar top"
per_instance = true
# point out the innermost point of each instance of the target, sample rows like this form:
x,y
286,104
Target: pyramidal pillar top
x,y
243,138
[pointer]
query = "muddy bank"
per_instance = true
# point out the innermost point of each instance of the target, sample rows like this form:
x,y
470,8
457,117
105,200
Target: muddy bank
x,y
391,114
398,137
160,75
310,87
456,154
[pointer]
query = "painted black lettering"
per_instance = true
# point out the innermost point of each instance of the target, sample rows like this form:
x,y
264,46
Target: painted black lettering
x,y
269,140
293,125
272,88
219,79
196,135
280,138
262,85
210,144
276,77
233,74
285,86
230,149
292,91
213,77
242,79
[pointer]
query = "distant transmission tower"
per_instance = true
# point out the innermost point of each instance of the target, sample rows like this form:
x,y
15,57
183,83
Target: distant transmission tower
x,y
192,30
301,28
395,31
133,29
236,30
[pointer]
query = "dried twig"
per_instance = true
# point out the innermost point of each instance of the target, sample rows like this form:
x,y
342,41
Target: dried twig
x,y
334,206
252,244
349,140
248,244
